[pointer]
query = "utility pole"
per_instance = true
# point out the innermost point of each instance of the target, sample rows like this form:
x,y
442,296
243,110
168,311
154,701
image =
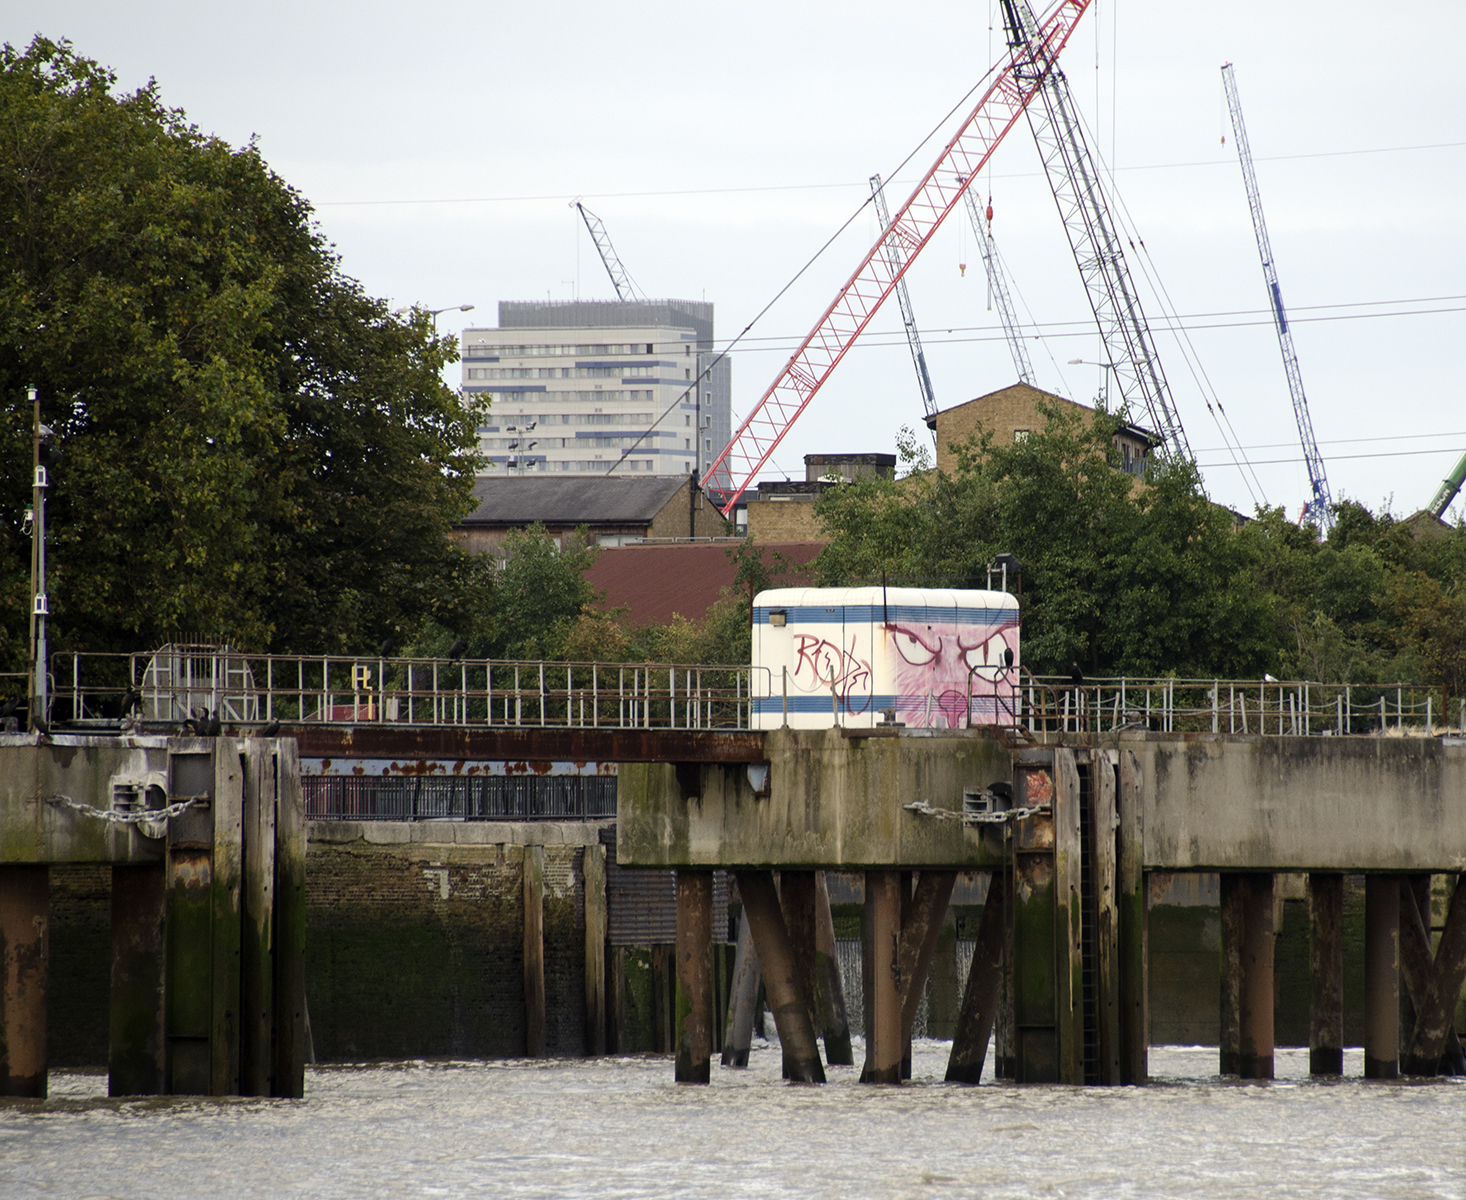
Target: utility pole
x,y
39,607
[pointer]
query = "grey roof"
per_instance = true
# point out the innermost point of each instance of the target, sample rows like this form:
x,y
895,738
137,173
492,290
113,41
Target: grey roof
x,y
696,315
572,499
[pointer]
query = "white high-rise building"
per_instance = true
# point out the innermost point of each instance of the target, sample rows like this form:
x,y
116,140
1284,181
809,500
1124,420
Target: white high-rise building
x,y
597,385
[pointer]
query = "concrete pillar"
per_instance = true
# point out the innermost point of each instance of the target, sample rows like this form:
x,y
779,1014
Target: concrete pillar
x,y
884,1043
981,996
694,975
136,1045
1437,1009
797,898
776,960
24,970
257,949
1255,991
743,996
1381,977
292,1018
534,951
593,875
834,1021
1229,1040
1133,900
1326,955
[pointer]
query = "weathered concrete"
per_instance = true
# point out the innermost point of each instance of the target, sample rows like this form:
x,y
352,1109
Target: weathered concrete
x,y
694,976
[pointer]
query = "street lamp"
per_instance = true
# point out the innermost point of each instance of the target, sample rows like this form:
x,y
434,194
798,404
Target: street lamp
x,y
434,312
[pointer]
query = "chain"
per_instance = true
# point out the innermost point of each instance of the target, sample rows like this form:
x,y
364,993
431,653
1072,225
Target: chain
x,y
1003,817
113,817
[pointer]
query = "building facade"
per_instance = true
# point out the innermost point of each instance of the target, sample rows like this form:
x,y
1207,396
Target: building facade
x,y
600,386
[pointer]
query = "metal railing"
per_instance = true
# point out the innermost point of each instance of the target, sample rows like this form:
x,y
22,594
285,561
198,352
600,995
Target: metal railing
x,y
180,682
459,797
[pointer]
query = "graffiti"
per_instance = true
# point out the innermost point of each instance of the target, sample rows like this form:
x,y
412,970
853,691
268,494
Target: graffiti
x,y
832,667
935,664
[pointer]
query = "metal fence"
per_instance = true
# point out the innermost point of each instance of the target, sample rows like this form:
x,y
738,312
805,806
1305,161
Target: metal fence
x,y
459,797
179,682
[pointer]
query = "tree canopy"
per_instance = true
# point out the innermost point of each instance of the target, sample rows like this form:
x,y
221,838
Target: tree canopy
x,y
253,449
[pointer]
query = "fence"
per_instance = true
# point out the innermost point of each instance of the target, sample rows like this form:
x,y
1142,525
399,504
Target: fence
x,y
459,797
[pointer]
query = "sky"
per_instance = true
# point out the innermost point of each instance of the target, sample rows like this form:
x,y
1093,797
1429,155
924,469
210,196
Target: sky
x,y
443,144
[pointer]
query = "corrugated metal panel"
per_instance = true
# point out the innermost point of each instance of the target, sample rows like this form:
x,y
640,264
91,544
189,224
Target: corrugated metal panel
x,y
641,904
459,797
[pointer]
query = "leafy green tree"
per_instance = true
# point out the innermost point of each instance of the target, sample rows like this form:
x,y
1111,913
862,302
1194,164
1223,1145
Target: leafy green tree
x,y
539,594
253,449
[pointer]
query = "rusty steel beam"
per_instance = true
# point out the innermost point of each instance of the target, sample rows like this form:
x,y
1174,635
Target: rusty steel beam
x,y
537,744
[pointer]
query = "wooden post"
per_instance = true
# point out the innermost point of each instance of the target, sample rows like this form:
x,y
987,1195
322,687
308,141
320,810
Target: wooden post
x,y
257,950
1229,1041
292,1023
24,970
920,929
980,997
1036,956
227,903
1255,993
776,959
694,976
593,874
1069,976
1104,822
189,964
136,1059
1326,957
1133,899
1381,977
534,951
743,998
1437,1008
884,1044
797,898
834,1021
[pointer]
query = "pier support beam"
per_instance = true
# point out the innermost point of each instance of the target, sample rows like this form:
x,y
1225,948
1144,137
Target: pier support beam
x,y
834,1021
984,983
24,970
1133,902
921,928
1381,977
1229,1035
776,960
1326,958
534,951
593,869
292,1028
797,899
136,1054
743,997
694,975
884,1044
1255,993
1434,1034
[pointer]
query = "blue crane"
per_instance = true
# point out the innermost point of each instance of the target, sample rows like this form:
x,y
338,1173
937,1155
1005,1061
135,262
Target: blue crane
x,y
1320,506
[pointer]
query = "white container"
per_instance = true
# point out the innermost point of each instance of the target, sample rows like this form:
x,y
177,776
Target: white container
x,y
826,656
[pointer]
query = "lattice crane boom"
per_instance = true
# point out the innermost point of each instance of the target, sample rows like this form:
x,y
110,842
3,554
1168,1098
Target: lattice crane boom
x,y
1321,504
999,285
903,298
620,278
1093,237
912,227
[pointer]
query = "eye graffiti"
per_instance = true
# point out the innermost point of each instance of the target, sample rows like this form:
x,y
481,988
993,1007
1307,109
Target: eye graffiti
x,y
946,672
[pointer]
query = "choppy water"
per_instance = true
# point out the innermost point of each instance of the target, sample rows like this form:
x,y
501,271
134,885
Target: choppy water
x,y
621,1128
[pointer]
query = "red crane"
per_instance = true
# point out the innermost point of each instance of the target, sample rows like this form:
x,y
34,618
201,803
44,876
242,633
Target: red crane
x,y
939,191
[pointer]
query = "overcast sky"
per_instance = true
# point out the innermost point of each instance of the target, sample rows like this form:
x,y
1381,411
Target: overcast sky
x,y
442,144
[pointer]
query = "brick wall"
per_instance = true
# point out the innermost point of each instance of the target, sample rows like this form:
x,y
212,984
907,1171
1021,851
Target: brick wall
x,y
790,520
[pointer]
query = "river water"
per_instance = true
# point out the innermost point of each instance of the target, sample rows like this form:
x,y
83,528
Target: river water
x,y
621,1128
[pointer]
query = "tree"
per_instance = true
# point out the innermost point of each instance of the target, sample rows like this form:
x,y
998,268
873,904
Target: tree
x,y
254,450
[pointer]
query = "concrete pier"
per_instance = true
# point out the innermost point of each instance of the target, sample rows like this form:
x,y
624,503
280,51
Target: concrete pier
x,y
1381,977
694,976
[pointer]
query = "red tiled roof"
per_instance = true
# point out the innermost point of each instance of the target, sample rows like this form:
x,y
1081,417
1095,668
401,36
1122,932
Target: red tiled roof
x,y
655,581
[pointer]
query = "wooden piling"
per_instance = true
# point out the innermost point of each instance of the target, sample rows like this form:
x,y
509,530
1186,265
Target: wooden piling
x,y
694,1018
980,997
257,950
834,1021
189,965
1255,990
1326,959
1068,919
884,1044
534,951
742,999
593,874
1229,1040
1036,957
24,971
292,1024
776,961
1437,1008
1381,977
1133,900
921,926
797,898
136,1058
226,886
1104,822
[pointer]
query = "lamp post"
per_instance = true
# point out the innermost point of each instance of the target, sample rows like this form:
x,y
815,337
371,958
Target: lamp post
x,y
435,313
39,607
1108,366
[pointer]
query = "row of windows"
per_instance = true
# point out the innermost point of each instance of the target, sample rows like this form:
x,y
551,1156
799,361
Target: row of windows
x,y
609,396
631,372
535,441
517,466
595,418
480,349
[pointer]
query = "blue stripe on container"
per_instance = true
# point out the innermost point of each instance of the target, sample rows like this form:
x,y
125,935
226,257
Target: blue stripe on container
x,y
870,614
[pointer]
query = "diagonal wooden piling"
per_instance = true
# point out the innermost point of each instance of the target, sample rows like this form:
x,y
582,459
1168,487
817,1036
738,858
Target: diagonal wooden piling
x,y
776,959
984,980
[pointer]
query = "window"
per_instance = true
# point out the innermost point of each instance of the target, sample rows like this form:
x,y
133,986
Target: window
x,y
707,443
687,420
687,443
687,374
1020,435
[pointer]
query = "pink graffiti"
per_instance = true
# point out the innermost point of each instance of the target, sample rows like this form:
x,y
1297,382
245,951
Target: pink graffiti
x,y
934,664
833,667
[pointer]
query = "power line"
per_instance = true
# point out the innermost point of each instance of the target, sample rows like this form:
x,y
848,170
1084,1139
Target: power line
x,y
1298,458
